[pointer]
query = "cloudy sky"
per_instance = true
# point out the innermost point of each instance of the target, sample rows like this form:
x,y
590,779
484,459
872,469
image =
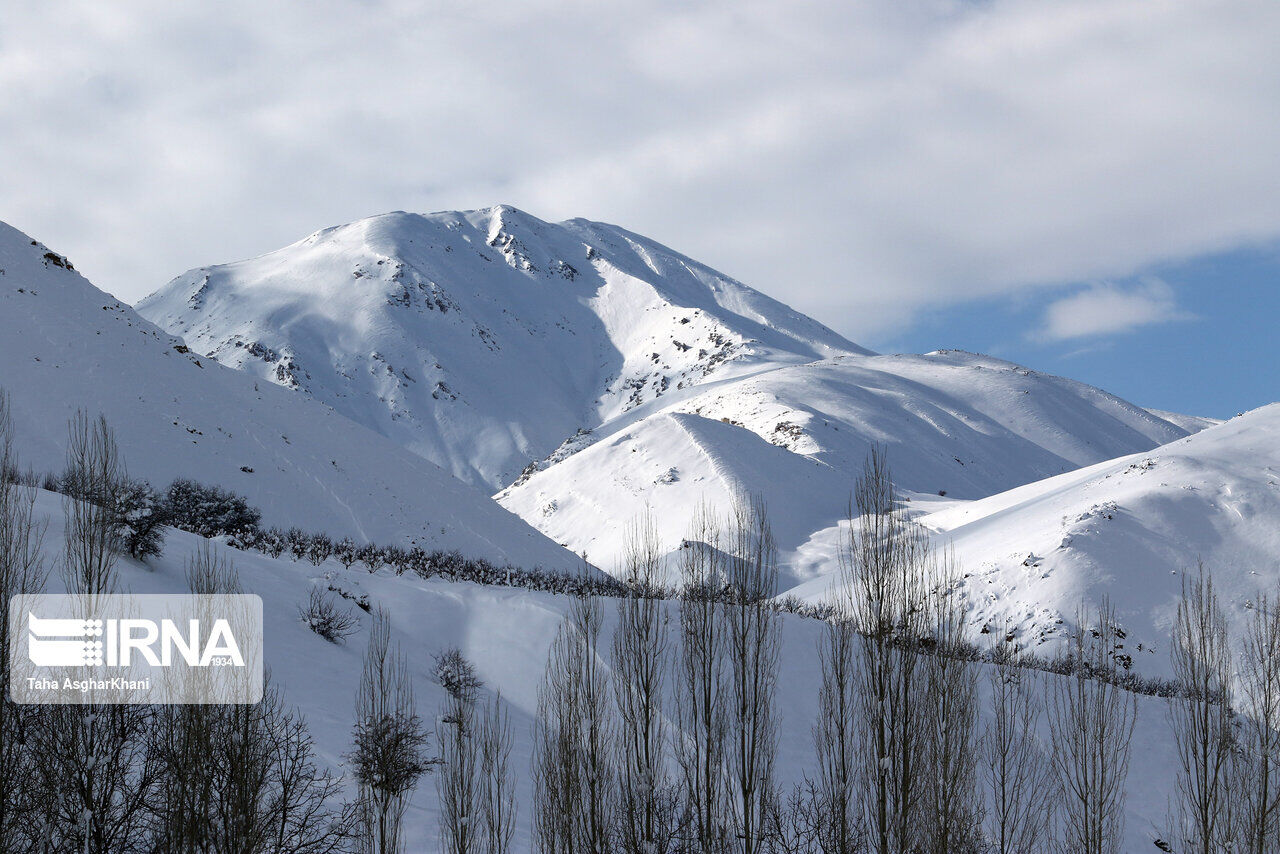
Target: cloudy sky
x,y
1091,187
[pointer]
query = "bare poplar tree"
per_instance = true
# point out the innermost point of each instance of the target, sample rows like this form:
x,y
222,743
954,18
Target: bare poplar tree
x,y
96,777
884,561
646,801
1091,719
701,689
94,471
22,570
457,780
184,734
1201,719
751,641
951,803
1257,771
497,796
574,783
835,738
389,736
1018,775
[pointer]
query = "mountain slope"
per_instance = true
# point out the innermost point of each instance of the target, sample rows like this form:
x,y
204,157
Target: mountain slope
x,y
1128,529
66,345
481,340
507,633
952,423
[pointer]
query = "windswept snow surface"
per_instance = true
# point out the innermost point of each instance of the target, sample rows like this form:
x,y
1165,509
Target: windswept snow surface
x,y
1129,529
481,340
507,633
64,345
951,422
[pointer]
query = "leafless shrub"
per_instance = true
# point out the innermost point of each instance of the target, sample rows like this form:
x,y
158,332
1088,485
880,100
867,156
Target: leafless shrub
x,y
326,618
457,676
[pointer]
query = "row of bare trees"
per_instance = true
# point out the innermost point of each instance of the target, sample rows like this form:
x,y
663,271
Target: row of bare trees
x,y
115,778
903,762
609,772
1226,727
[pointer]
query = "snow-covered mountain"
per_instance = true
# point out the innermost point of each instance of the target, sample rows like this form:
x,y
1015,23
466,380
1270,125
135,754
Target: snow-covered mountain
x,y
1128,529
952,423
64,345
587,372
482,340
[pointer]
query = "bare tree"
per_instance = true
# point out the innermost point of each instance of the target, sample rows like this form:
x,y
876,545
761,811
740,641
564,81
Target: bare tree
x,y
751,642
798,824
183,736
22,571
574,783
389,736
1257,772
96,777
94,471
884,564
267,794
457,780
646,807
1201,719
1018,775
1091,718
835,740
497,797
952,805
238,778
701,689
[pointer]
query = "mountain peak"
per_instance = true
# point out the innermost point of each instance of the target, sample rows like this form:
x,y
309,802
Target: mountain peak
x,y
434,329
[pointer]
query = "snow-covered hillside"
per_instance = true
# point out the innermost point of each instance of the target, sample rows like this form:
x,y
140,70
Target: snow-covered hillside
x,y
482,340
1127,529
506,633
951,422
66,345
588,372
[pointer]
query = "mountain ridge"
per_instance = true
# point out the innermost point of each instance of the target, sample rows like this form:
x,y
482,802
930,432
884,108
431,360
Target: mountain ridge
x,y
67,345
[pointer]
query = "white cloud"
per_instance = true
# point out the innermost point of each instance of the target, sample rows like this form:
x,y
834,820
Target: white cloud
x,y
1108,310
859,160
